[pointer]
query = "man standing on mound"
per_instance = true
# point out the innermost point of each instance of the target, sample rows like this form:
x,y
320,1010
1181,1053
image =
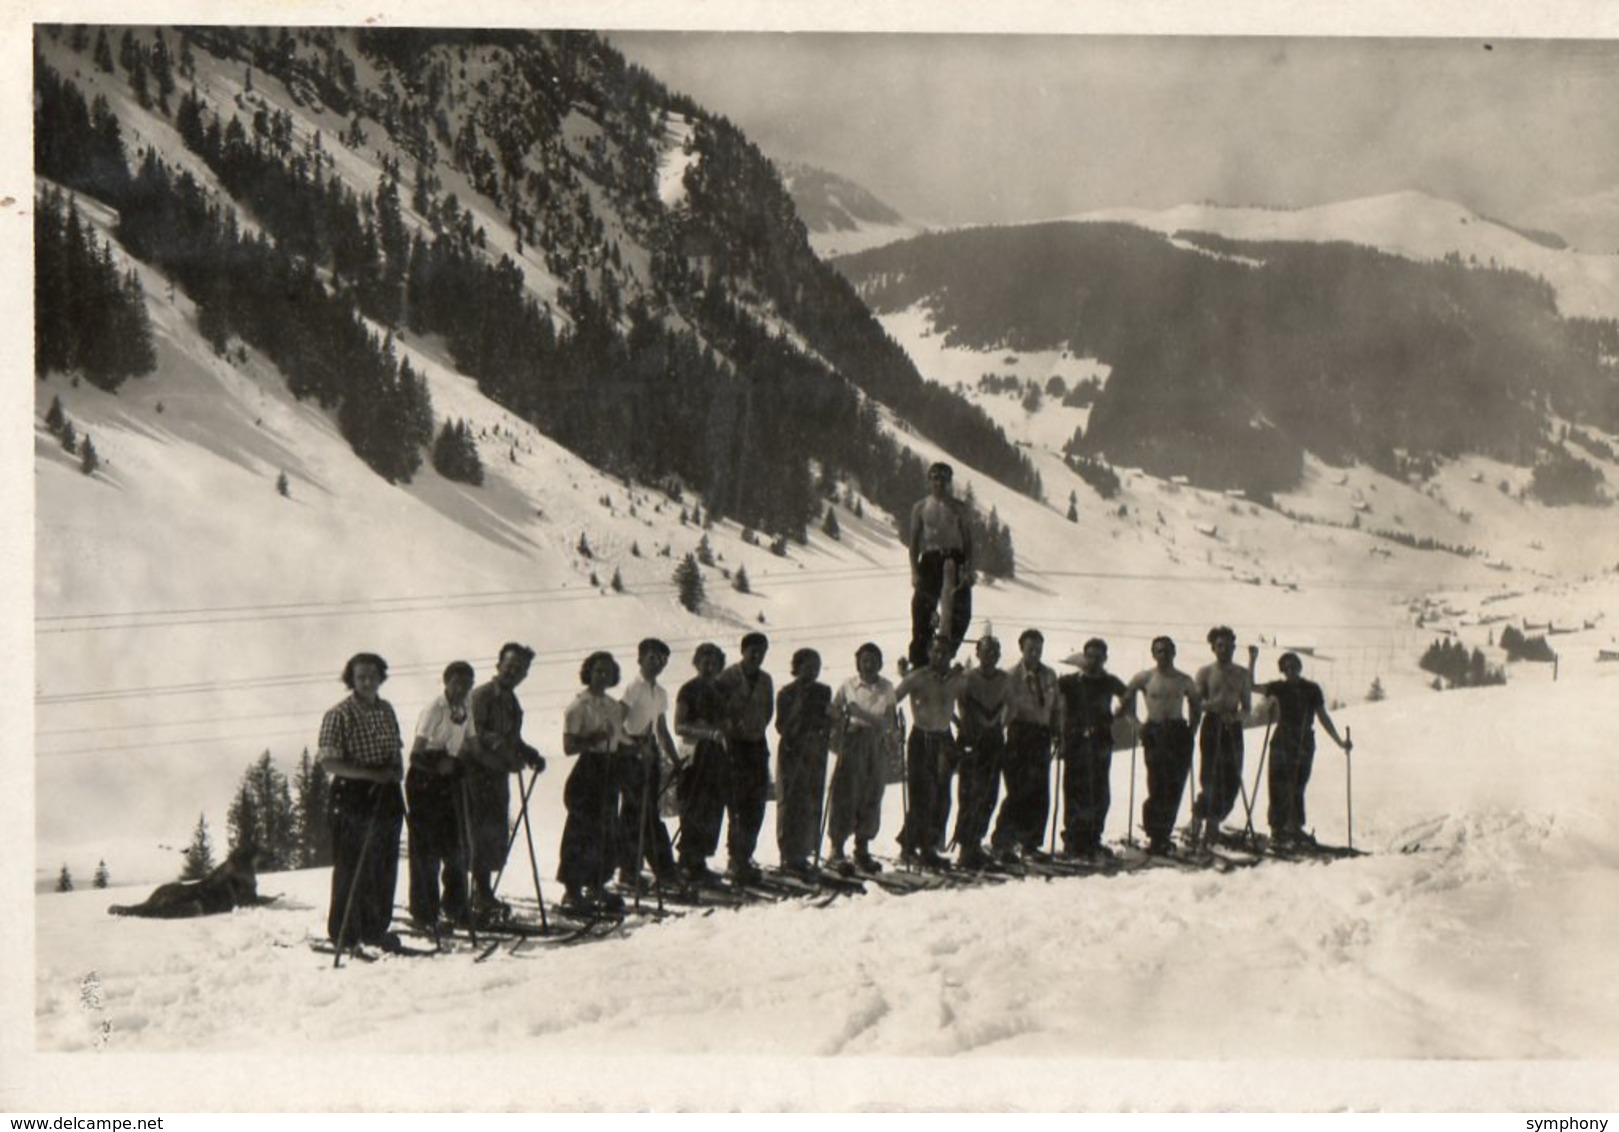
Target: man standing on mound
x,y
940,535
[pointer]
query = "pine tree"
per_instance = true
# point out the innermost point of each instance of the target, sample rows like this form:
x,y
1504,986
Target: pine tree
x,y
64,880
618,581
740,582
55,417
199,855
1073,507
688,579
88,460
1375,693
583,546
262,814
705,553
103,53
313,787
283,486
829,526
102,877
70,439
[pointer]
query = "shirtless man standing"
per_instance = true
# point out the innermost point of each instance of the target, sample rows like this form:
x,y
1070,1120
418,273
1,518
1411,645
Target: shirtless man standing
x,y
931,759
1227,691
939,534
1166,740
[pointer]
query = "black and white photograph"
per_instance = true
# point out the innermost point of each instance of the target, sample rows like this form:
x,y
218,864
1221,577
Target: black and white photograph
x,y
681,558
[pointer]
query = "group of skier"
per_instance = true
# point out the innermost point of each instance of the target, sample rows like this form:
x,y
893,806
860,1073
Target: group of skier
x,y
985,727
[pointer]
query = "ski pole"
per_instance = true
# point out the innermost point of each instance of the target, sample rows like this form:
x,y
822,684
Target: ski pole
x,y
1056,797
533,860
1130,815
355,876
511,840
907,827
640,833
1248,833
1349,784
463,821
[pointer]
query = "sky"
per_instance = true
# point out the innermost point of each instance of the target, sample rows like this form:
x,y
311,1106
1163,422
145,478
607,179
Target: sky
x,y
965,128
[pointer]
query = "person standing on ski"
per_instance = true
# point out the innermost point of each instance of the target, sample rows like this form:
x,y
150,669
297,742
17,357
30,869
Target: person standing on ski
x,y
1166,740
590,731
940,532
804,724
865,723
360,747
1085,715
1299,703
1031,714
434,791
500,752
646,749
931,758
749,696
1226,689
982,743
705,775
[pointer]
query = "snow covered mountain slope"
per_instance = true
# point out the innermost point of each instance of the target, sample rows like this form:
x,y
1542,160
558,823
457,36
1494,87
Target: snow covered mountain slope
x,y
1410,224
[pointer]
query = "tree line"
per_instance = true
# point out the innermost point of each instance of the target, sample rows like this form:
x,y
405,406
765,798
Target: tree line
x,y
89,317
1226,367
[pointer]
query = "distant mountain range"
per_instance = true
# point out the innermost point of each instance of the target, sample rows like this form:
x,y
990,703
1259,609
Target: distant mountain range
x,y
841,216
1393,331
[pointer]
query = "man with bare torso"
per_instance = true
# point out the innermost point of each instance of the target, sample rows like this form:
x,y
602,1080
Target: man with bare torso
x,y
1166,740
1227,691
930,761
939,533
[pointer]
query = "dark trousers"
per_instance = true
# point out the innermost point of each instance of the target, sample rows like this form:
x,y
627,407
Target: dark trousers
x,y
435,845
857,787
930,760
1292,755
705,788
1166,748
978,787
750,790
589,850
365,819
489,802
1220,771
802,766
640,829
1027,767
1086,789
925,604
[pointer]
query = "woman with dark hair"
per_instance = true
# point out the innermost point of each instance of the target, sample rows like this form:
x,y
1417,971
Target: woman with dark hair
x,y
705,776
360,747
864,720
591,731
433,787
804,722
